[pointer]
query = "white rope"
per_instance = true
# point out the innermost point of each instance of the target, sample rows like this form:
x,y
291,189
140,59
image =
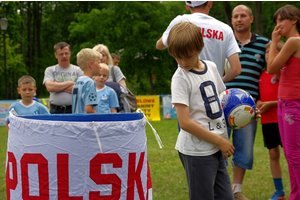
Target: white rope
x,y
99,143
160,144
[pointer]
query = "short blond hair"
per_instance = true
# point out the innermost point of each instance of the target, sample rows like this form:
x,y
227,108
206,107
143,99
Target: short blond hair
x,y
185,39
102,47
105,67
26,79
84,56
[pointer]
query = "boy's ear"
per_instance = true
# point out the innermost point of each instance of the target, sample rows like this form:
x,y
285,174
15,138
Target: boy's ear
x,y
18,89
90,63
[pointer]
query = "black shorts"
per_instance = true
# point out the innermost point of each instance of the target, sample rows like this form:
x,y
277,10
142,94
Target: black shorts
x,y
271,135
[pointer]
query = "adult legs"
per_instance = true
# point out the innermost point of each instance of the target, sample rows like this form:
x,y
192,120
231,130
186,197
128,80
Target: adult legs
x,y
243,141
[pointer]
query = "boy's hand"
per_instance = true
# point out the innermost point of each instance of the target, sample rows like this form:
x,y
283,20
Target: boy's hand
x,y
226,147
265,106
257,114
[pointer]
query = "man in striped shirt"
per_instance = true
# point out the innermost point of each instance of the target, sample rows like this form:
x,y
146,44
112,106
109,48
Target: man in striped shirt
x,y
252,58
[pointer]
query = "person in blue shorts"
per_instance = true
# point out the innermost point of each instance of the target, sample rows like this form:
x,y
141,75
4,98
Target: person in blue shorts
x,y
252,58
84,95
27,106
107,97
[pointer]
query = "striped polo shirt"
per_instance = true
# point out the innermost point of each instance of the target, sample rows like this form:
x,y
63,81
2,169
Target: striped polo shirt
x,y
252,58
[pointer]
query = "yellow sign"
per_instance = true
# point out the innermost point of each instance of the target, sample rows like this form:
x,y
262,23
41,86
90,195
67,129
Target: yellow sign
x,y
150,106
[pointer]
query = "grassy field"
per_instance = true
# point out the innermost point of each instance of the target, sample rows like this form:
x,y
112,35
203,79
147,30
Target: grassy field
x,y
168,176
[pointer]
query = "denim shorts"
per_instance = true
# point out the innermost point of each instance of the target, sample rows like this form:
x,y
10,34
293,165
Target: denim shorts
x,y
243,142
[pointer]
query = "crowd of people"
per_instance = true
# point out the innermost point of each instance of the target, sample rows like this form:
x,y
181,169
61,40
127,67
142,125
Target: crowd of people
x,y
196,86
72,88
265,68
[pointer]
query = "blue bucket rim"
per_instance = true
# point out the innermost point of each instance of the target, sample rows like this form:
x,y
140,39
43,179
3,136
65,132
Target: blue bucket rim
x,y
87,117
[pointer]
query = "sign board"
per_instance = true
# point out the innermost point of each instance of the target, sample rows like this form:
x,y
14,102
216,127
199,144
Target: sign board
x,y
150,106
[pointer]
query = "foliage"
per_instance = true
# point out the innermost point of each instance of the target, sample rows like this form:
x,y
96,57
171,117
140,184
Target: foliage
x,y
130,29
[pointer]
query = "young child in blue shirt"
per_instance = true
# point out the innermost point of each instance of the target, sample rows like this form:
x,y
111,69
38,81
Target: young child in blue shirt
x,y
26,88
107,98
84,95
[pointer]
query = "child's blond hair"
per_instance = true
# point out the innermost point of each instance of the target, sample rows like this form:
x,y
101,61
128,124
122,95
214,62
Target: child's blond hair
x,y
26,79
84,56
184,40
278,48
105,67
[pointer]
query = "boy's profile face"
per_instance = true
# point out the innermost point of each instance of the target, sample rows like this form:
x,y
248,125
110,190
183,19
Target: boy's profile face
x,y
116,61
96,67
267,54
188,63
26,90
101,78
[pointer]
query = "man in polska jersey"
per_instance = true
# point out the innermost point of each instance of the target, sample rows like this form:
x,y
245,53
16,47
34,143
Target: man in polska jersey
x,y
219,41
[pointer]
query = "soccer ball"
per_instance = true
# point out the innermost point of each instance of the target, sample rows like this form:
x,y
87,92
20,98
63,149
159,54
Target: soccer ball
x,y
239,108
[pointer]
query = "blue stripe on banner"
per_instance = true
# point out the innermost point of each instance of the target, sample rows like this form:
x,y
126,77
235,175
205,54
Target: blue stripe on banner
x,y
87,117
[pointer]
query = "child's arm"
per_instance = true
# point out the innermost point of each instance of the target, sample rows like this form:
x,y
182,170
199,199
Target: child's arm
x,y
113,110
265,106
197,130
160,45
89,109
291,46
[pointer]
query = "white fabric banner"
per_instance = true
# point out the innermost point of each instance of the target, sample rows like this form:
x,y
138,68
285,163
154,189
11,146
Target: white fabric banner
x,y
77,160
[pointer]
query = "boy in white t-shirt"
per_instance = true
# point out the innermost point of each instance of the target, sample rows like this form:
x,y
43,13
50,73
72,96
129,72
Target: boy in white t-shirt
x,y
107,97
202,142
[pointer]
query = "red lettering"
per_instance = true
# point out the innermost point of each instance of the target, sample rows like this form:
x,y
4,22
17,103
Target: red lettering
x,y
209,33
43,174
98,178
134,176
203,32
63,178
149,182
11,184
215,34
221,36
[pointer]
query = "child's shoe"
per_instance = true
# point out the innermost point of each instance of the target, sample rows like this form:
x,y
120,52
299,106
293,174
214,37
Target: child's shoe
x,y
278,196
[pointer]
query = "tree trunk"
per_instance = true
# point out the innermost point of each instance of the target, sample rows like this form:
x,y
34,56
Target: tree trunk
x,y
227,12
258,18
29,37
151,82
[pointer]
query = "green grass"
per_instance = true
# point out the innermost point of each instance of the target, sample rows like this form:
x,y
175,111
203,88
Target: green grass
x,y
167,173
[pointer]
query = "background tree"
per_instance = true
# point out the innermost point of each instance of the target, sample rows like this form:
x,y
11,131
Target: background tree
x,y
130,29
